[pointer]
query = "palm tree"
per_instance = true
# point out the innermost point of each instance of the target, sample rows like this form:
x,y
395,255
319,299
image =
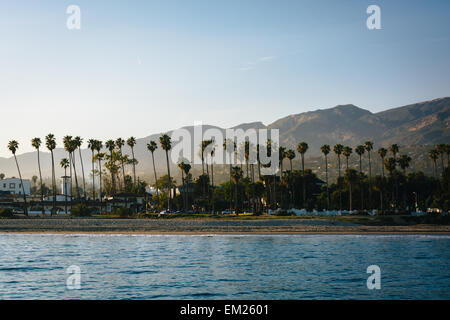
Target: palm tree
x,y
281,157
382,152
404,161
290,154
204,144
338,149
65,164
350,177
72,148
360,151
347,152
166,144
380,186
326,150
390,165
92,146
111,145
434,156
368,145
152,146
13,145
98,147
181,165
131,142
50,143
236,176
119,144
67,147
229,146
442,149
36,143
78,142
394,150
301,149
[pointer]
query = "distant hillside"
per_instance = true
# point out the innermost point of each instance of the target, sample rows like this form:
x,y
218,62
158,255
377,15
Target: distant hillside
x,y
424,123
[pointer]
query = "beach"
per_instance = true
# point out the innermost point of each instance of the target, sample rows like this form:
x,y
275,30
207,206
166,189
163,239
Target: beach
x,y
205,226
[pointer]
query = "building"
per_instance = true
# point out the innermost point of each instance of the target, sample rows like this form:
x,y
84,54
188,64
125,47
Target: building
x,y
14,186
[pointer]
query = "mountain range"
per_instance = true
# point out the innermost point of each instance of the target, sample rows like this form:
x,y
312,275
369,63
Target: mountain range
x,y
424,123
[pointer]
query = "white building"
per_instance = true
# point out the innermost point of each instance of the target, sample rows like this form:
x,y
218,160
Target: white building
x,y
14,186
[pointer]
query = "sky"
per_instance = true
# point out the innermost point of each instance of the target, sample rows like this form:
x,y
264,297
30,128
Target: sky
x,y
135,68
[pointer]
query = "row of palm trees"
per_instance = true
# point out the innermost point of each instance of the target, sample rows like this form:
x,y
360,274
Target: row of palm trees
x,y
207,149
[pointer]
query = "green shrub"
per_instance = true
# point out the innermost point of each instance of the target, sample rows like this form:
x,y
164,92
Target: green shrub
x,y
124,212
81,210
6,213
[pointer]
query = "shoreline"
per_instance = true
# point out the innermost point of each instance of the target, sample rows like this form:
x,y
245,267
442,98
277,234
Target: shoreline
x,y
209,227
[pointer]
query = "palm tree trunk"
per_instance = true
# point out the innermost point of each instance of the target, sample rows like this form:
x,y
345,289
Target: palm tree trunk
x,y
53,184
93,177
100,183
65,191
326,176
82,171
303,180
76,178
40,178
168,182
339,183
134,168
25,210
350,197
154,171
231,189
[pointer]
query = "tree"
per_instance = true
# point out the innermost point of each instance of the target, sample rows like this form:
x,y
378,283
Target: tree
x,y
442,150
78,142
301,149
394,149
119,144
350,177
382,152
404,161
360,151
2,176
347,152
338,149
290,154
99,157
166,144
92,144
368,145
13,145
390,165
236,176
36,143
50,143
111,145
230,147
152,146
65,164
326,150
380,185
434,156
131,142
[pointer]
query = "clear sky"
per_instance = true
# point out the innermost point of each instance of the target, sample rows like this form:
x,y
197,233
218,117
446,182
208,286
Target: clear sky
x,y
142,67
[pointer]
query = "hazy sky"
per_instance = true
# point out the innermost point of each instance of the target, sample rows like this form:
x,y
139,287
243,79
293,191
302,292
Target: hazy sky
x,y
142,67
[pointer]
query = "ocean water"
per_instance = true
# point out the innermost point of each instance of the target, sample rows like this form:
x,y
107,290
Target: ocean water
x,y
224,266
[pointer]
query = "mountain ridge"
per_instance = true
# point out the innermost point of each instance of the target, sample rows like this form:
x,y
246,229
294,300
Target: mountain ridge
x,y
426,122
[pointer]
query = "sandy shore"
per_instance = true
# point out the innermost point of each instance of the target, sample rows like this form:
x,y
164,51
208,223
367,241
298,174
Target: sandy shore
x,y
204,226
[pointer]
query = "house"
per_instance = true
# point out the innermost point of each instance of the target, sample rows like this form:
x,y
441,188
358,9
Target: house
x,y
14,186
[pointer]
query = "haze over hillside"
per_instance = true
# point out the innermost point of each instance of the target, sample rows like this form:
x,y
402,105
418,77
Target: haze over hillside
x,y
417,124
